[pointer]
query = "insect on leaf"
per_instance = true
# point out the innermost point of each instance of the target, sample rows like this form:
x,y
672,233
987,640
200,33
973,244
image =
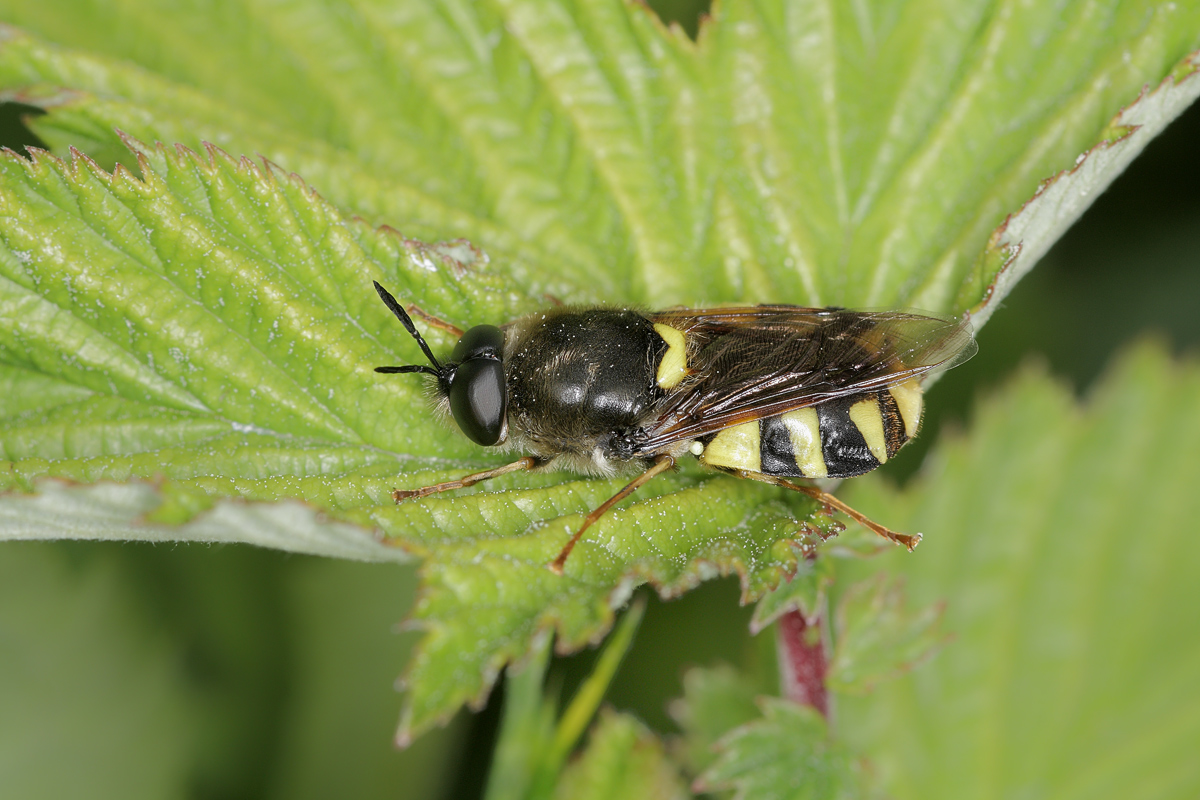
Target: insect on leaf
x,y
187,344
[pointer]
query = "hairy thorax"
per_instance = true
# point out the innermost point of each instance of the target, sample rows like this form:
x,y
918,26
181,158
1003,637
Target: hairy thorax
x,y
581,382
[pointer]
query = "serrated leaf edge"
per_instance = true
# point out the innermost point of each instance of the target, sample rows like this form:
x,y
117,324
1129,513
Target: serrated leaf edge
x,y
1027,233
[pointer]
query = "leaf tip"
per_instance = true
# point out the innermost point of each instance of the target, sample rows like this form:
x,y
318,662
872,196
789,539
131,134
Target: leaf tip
x,y
218,157
1186,67
135,145
404,732
31,155
281,175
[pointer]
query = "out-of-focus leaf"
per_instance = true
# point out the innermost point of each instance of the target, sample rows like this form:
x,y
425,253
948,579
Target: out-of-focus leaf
x,y
1069,575
576,717
622,760
534,747
877,637
526,730
715,701
785,755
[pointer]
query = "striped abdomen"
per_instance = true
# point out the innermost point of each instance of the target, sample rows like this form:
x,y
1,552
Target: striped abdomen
x,y
839,438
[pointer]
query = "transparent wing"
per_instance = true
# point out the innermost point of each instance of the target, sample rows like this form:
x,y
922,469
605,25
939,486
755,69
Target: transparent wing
x,y
760,361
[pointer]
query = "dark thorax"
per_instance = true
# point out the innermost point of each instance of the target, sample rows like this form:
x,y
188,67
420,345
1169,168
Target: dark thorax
x,y
581,382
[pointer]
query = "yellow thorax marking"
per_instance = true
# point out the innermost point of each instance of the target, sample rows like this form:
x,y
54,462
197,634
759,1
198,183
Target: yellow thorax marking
x,y
673,368
804,431
736,448
867,418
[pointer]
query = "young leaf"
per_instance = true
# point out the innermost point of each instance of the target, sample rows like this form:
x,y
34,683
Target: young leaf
x,y
803,592
623,759
715,701
1068,569
877,638
786,755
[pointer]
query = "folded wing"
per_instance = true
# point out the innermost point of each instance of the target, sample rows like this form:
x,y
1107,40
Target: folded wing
x,y
760,361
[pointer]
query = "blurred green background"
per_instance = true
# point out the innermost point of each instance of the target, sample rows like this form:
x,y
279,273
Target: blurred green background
x,y
269,675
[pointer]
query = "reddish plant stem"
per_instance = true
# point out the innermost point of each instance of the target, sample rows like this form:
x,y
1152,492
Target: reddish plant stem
x,y
802,661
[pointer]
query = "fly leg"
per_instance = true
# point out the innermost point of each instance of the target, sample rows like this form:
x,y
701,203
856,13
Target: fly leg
x,y
526,463
661,465
831,503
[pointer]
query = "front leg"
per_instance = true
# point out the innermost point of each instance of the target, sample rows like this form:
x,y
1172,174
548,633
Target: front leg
x,y
526,463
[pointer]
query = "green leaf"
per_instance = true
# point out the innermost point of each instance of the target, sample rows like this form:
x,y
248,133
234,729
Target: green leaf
x,y
715,701
803,592
1061,538
1025,236
582,708
171,340
785,755
111,511
194,348
486,596
797,152
205,332
876,638
525,731
623,759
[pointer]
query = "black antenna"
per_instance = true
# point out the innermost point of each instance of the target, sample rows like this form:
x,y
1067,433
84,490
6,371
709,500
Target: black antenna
x,y
407,322
408,368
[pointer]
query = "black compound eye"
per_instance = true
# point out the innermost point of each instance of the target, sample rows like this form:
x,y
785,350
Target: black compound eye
x,y
478,397
482,340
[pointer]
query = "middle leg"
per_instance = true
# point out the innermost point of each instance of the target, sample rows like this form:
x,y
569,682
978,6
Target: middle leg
x,y
526,463
661,465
